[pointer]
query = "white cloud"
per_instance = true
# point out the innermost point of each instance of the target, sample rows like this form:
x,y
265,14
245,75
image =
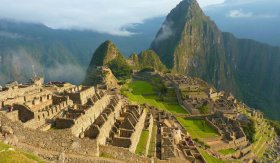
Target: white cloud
x,y
242,14
204,3
107,16
239,14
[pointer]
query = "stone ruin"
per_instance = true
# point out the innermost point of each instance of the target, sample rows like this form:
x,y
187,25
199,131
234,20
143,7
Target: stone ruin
x,y
193,94
231,131
172,141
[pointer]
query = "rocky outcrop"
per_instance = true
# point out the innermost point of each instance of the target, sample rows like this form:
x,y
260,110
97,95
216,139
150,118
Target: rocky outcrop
x,y
101,75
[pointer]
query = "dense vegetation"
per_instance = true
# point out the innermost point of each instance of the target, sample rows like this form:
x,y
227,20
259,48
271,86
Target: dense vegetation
x,y
204,109
147,60
249,130
276,125
120,68
107,54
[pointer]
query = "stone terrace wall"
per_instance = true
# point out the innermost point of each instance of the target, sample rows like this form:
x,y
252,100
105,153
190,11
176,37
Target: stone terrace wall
x,y
51,141
150,129
87,119
137,133
106,128
123,154
18,92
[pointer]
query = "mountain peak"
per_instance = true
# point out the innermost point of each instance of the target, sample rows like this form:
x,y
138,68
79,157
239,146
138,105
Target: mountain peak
x,y
105,53
173,28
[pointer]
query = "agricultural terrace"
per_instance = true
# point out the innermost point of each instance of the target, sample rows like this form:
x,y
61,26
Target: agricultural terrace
x,y
198,129
143,92
227,151
208,158
141,147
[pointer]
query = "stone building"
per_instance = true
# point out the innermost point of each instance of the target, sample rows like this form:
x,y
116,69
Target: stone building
x,y
231,131
174,143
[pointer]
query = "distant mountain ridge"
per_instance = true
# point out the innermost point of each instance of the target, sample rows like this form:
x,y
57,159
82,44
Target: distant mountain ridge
x,y
57,54
190,43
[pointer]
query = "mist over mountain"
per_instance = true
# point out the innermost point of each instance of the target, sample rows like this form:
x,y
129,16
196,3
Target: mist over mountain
x,y
60,54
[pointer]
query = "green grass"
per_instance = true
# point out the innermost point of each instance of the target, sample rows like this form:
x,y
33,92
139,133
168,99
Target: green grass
x,y
141,87
208,158
227,151
106,155
4,146
152,142
16,156
259,146
198,129
143,92
141,147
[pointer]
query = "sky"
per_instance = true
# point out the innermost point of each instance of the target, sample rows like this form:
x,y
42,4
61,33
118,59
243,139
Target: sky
x,y
253,19
105,16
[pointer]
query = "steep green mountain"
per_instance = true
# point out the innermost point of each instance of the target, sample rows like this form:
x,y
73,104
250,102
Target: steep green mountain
x,y
190,43
146,59
257,70
108,55
104,54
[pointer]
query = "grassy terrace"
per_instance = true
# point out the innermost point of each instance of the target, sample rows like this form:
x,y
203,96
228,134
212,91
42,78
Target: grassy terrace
x,y
227,151
152,142
208,158
143,92
141,147
198,129
16,156
259,146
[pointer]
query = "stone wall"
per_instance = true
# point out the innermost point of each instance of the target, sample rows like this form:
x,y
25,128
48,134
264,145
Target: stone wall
x,y
80,95
123,154
150,129
50,143
24,112
137,133
18,91
106,128
83,122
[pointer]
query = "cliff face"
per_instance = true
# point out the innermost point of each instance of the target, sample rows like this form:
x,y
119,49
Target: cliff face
x,y
146,59
190,43
256,67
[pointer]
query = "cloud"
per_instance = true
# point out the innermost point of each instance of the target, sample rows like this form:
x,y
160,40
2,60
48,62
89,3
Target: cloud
x,y
239,14
165,31
205,3
66,72
105,16
242,14
16,64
